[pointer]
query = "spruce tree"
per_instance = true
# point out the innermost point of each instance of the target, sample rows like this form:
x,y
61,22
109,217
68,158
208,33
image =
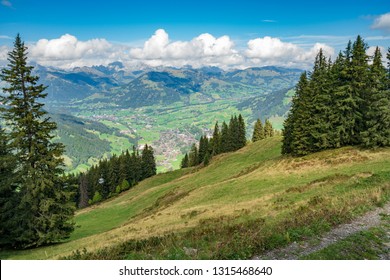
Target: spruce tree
x,y
203,148
216,140
241,132
184,161
320,105
344,106
45,209
359,85
193,157
148,162
268,129
377,116
225,137
258,131
296,138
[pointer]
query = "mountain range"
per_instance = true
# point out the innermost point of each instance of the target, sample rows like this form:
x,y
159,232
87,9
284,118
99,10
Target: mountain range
x,y
161,85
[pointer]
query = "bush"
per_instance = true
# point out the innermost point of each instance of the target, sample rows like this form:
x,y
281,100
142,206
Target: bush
x,y
97,197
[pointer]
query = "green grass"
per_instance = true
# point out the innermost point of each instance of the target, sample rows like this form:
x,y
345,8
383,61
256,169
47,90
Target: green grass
x,y
241,204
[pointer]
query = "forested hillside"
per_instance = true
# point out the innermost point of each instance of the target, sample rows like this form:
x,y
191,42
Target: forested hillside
x,y
340,103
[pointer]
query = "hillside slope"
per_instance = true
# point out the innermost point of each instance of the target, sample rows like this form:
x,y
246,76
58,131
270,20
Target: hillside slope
x,y
241,204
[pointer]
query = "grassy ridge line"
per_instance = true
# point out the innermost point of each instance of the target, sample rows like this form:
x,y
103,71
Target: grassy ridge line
x,y
255,183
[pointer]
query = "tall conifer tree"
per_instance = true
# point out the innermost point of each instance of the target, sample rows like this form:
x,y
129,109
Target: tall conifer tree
x,y
193,157
268,129
359,85
320,105
148,163
216,140
377,116
45,207
241,132
184,161
225,137
258,131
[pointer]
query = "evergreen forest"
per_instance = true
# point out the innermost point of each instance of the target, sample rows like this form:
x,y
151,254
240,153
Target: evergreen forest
x,y
340,103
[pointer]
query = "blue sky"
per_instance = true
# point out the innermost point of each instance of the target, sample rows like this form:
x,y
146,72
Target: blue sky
x,y
132,23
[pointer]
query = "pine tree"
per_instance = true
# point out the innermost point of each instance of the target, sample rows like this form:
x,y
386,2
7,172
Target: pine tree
x,y
320,106
216,140
344,106
241,132
296,138
225,145
234,134
193,157
359,85
268,129
45,207
377,116
203,148
148,163
184,161
258,131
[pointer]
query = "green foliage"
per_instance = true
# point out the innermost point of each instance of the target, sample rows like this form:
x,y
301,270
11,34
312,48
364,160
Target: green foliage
x,y
124,186
377,117
258,131
268,129
148,163
44,202
342,103
193,157
97,197
8,186
114,175
185,161
206,160
231,138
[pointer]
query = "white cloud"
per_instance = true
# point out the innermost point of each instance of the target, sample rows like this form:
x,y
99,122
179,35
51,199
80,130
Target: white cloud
x,y
382,22
203,50
371,51
68,51
273,51
6,3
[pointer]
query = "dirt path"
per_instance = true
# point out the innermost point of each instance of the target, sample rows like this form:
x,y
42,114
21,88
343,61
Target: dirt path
x,y
296,250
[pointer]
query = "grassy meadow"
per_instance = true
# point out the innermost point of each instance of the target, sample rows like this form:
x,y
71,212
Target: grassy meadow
x,y
242,204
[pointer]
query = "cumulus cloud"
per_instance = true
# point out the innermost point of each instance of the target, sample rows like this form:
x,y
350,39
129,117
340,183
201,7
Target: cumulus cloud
x,y
69,51
382,23
159,50
273,51
202,50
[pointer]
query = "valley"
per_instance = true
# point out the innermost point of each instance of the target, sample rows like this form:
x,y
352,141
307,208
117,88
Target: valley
x,y
168,109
